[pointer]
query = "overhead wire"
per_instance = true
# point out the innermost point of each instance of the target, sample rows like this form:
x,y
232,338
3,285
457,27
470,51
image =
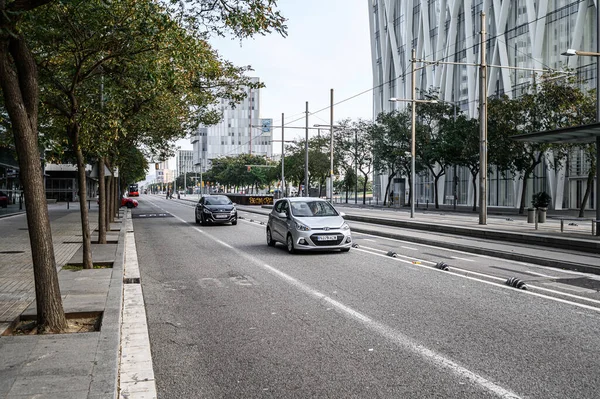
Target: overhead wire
x,y
405,73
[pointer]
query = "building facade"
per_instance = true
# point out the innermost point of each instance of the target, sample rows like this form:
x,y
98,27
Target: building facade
x,y
184,162
240,132
521,35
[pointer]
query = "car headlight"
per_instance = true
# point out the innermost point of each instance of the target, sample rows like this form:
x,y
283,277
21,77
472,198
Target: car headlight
x,y
233,211
205,210
345,226
302,227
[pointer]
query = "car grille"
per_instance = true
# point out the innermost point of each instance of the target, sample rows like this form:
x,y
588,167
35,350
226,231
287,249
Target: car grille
x,y
315,240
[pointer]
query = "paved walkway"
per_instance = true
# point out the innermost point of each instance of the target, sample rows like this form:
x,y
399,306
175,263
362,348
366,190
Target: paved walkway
x,y
81,365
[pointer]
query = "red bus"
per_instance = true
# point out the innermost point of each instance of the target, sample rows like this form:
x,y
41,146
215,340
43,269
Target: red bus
x,y
133,190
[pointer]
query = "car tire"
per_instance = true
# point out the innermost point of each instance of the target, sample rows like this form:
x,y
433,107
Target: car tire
x,y
270,241
290,244
234,222
202,221
130,205
196,216
345,249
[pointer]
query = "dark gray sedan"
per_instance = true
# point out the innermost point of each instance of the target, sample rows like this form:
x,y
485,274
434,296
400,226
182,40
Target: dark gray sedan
x,y
215,209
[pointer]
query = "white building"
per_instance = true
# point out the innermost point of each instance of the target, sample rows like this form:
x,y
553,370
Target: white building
x,y
521,33
240,132
184,162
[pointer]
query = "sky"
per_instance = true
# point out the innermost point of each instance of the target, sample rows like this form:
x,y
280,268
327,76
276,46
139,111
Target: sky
x,y
327,47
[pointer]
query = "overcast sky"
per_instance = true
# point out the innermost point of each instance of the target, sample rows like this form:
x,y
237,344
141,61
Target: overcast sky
x,y
327,47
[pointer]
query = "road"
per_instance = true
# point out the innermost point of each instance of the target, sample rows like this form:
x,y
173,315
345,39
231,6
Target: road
x,y
230,317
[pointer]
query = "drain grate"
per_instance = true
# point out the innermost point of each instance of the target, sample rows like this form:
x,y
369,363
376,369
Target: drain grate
x,y
131,280
581,282
12,252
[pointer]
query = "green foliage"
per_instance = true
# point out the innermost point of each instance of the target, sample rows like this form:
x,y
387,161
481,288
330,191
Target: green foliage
x,y
541,200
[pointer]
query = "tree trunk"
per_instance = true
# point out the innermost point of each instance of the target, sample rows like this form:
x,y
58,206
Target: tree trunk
x,y
365,188
474,190
588,190
73,133
435,191
18,79
387,187
524,193
103,202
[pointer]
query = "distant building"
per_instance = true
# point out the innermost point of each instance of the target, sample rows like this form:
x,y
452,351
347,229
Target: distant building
x,y
520,34
185,162
240,132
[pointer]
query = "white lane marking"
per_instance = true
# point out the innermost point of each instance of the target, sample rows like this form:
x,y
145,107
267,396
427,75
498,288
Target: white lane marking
x,y
405,247
539,274
368,239
481,256
387,332
465,259
452,272
455,269
401,256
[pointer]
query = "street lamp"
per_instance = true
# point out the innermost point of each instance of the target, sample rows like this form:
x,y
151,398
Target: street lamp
x,y
413,128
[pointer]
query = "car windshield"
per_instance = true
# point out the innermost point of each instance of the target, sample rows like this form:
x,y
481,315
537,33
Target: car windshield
x,y
313,209
220,200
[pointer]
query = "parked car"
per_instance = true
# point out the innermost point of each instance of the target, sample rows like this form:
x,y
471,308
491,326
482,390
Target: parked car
x,y
129,202
215,209
305,223
3,200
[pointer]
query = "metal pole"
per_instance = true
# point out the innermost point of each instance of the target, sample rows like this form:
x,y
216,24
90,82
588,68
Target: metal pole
x,y
250,127
356,166
331,147
483,129
454,181
283,188
597,115
305,191
412,135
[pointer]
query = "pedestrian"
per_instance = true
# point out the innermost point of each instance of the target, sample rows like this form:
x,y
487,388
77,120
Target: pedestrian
x,y
392,197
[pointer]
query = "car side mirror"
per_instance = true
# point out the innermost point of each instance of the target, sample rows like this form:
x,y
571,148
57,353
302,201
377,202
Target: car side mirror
x,y
282,214
342,214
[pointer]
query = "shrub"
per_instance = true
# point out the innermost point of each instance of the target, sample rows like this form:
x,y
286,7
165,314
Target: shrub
x,y
541,200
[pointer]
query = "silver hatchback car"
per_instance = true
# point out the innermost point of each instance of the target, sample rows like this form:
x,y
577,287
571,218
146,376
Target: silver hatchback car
x,y
305,223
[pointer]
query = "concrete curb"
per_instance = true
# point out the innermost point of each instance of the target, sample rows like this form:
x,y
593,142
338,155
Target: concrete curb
x,y
583,245
105,374
555,242
488,252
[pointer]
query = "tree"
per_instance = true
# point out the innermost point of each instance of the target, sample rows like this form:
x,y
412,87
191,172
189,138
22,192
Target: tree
x,y
391,146
548,105
432,144
19,84
462,149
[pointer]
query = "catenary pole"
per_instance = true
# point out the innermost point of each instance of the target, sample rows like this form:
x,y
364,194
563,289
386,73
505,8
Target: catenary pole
x,y
483,128
283,188
331,147
413,131
305,191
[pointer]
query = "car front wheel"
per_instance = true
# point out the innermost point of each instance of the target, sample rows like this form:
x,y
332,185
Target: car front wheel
x,y
290,244
270,241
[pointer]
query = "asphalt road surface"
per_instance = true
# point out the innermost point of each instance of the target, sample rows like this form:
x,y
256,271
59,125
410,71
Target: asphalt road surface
x,y
230,317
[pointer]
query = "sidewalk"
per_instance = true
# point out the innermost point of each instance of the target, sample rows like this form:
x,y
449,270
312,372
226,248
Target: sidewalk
x,y
78,365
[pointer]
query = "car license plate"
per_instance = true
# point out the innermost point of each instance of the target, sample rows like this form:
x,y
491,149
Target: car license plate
x,y
327,238
221,216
